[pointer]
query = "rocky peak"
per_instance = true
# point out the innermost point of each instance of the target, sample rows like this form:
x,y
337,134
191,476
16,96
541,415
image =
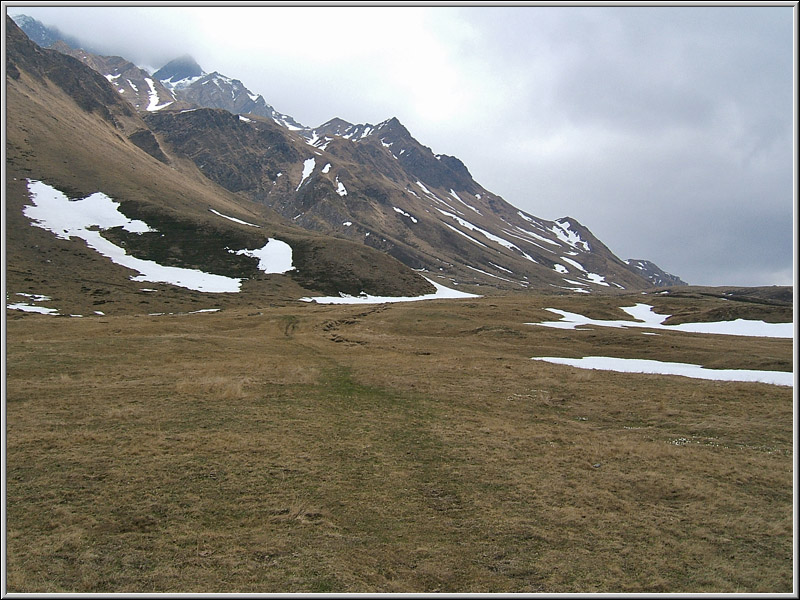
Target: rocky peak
x,y
335,126
183,67
42,35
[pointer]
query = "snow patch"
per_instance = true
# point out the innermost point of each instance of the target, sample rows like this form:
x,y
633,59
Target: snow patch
x,y
597,279
469,237
340,189
441,292
154,105
308,168
639,365
404,213
457,197
648,319
234,219
32,308
274,257
574,263
562,230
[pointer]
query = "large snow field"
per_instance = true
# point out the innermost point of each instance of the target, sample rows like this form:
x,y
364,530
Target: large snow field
x,y
441,292
639,365
648,319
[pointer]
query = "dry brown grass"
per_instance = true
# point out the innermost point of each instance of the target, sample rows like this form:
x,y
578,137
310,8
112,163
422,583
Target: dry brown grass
x,y
402,448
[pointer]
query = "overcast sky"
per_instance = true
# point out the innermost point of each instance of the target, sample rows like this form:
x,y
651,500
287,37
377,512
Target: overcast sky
x,y
667,131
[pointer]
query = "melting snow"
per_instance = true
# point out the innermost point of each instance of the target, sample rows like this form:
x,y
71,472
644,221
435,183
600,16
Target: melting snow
x,y
560,268
424,189
154,105
245,119
274,257
234,219
282,121
340,189
638,365
574,263
469,237
598,279
308,168
404,213
648,319
501,268
490,236
442,292
565,234
490,274
31,308
326,168
457,197
34,297
53,211
314,139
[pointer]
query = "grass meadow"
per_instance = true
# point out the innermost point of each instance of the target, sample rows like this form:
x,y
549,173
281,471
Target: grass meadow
x,y
391,448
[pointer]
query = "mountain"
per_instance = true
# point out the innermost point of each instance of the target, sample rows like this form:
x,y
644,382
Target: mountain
x,y
378,185
189,83
654,274
45,36
371,185
96,223
179,72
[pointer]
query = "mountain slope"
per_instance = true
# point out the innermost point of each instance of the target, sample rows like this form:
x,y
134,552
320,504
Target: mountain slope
x,y
68,128
137,86
376,184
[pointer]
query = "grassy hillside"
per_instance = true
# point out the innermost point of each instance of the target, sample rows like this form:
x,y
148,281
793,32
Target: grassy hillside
x,y
396,448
